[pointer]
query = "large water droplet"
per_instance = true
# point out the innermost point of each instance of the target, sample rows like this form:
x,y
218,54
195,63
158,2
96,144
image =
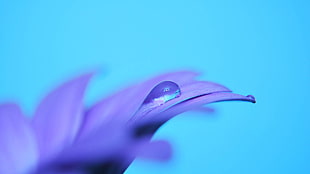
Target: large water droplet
x,y
162,93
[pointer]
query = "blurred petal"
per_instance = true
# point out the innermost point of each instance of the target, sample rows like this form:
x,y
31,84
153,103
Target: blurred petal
x,y
18,153
157,150
125,103
114,143
62,171
108,141
203,109
58,117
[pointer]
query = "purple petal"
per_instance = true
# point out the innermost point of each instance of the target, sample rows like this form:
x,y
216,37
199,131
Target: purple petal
x,y
158,150
59,116
61,171
113,142
18,153
196,102
203,109
193,89
102,145
121,106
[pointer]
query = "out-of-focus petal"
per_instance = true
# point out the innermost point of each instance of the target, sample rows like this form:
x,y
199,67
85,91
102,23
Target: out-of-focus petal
x,y
156,150
204,109
107,142
125,103
18,153
111,142
63,171
59,116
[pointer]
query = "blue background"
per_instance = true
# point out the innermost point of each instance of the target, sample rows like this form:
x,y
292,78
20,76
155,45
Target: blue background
x,y
260,47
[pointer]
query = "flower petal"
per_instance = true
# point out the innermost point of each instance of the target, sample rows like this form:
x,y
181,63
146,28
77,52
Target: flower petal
x,y
58,117
193,89
193,103
62,171
157,150
116,143
125,103
18,153
107,142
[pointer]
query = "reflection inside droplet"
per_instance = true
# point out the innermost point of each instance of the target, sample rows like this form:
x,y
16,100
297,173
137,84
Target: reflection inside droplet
x,y
162,93
251,97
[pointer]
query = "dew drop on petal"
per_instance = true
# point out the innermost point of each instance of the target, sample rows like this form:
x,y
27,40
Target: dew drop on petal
x,y
159,95
163,92
251,97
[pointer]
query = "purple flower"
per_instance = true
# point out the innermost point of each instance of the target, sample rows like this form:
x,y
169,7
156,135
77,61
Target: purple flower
x,y
64,137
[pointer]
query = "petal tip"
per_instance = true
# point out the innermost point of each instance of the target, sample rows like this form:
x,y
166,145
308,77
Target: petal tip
x,y
251,98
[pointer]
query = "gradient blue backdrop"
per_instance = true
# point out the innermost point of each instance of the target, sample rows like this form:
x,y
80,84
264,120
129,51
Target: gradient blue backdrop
x,y
260,47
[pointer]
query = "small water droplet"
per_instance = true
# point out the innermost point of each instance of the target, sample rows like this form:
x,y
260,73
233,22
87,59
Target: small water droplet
x,y
162,93
251,97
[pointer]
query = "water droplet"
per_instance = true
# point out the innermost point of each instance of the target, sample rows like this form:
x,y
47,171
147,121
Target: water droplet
x,y
162,93
251,97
